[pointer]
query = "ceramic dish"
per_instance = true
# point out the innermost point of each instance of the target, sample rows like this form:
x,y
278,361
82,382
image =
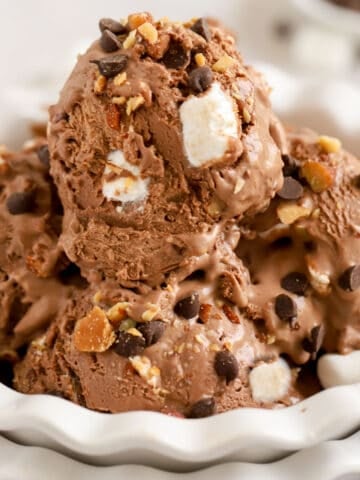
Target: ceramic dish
x,y
244,435
329,461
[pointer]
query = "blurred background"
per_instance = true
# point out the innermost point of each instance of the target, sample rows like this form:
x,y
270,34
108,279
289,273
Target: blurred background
x,y
309,50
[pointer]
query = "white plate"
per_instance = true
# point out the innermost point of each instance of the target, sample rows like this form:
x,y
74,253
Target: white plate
x,y
253,435
330,461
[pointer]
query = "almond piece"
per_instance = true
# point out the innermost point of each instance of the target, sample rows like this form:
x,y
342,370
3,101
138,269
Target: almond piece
x,y
318,176
130,40
290,213
148,32
223,63
134,103
94,332
200,59
137,19
231,315
329,144
120,79
117,313
100,84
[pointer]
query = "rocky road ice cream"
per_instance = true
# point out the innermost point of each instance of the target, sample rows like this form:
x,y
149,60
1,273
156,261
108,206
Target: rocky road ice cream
x,y
219,256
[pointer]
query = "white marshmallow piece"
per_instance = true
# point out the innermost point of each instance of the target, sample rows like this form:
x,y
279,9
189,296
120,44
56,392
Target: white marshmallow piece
x,y
124,189
208,123
334,370
270,382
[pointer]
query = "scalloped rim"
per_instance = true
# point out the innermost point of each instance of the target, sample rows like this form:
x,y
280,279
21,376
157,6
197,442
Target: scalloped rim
x,y
328,461
262,435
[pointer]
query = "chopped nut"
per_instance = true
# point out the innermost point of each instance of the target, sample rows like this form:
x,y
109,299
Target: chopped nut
x,y
270,339
223,63
180,348
130,40
200,59
329,144
134,331
318,176
289,213
146,370
215,207
150,313
137,19
120,79
97,297
134,103
148,32
118,100
118,312
215,348
231,315
100,84
94,332
125,325
239,185
319,281
228,345
236,94
204,312
200,338
113,117
246,115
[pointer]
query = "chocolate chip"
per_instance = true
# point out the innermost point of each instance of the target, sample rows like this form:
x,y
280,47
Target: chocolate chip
x,y
128,345
350,279
285,308
21,202
111,66
295,282
202,408
200,79
44,155
176,56
201,27
226,365
313,343
152,331
291,189
188,307
109,41
112,25
290,168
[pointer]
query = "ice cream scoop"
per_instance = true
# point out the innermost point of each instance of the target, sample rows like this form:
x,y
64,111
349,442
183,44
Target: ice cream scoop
x,y
161,135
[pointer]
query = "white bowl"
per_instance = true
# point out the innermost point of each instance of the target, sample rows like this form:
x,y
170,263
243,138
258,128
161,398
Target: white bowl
x,y
146,438
241,435
329,461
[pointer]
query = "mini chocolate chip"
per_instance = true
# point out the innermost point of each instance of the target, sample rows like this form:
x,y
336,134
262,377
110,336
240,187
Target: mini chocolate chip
x,y
111,66
188,307
290,168
313,343
350,279
175,56
285,308
295,282
44,155
21,202
200,79
128,345
112,25
291,189
201,27
109,41
202,408
152,331
226,365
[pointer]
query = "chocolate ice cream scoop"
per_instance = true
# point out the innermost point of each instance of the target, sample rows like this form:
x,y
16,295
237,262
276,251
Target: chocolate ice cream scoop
x,y
161,134
31,260
304,257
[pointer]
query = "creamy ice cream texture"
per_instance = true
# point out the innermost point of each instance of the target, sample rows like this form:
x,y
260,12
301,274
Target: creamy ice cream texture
x,y
221,254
